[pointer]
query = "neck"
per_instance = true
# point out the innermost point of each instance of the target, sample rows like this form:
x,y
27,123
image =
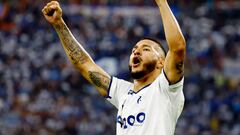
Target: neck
x,y
147,79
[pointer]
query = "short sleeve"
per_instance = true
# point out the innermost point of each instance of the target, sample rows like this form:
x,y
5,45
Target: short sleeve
x,y
164,83
118,88
174,92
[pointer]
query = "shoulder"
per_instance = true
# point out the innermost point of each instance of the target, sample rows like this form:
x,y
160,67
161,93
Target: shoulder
x,y
165,84
119,85
117,81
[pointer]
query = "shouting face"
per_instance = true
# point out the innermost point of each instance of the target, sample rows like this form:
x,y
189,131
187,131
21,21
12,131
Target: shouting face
x,y
145,57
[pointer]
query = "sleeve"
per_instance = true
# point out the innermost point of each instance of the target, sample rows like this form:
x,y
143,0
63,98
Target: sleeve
x,y
118,88
165,86
174,92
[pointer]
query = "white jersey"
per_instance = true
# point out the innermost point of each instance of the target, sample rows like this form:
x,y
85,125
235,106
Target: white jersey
x,y
153,110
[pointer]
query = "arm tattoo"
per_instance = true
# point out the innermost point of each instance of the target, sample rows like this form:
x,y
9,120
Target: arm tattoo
x,y
74,50
179,67
99,79
78,56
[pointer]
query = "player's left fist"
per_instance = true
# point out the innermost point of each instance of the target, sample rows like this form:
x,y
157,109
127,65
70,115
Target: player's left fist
x,y
52,12
159,2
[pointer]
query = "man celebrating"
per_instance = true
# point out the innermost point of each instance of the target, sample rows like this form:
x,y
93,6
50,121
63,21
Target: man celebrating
x,y
151,104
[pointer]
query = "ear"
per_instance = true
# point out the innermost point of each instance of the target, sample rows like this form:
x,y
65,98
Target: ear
x,y
160,63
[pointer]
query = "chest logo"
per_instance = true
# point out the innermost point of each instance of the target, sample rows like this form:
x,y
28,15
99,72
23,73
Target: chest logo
x,y
131,120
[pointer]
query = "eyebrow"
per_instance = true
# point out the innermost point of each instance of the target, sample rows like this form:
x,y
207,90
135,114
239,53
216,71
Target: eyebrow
x,y
135,47
147,46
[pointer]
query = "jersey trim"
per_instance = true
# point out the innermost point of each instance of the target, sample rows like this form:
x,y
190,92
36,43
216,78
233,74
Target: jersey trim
x,y
108,90
130,92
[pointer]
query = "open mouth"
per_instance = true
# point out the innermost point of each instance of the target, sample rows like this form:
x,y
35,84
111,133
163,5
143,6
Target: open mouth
x,y
136,61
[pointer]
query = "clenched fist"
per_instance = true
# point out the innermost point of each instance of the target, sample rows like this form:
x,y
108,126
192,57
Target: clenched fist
x,y
52,12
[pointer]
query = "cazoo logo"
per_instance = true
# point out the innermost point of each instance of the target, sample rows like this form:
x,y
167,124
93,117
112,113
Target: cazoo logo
x,y
131,120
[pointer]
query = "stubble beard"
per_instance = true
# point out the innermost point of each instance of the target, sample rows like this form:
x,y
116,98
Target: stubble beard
x,y
147,68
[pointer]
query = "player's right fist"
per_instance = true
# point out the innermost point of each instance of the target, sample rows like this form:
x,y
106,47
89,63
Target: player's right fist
x,y
52,12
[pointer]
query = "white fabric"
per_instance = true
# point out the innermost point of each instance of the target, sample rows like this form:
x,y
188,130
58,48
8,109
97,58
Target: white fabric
x,y
153,110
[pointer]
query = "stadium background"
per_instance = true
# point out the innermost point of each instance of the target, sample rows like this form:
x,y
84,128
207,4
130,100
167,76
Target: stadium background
x,y
41,93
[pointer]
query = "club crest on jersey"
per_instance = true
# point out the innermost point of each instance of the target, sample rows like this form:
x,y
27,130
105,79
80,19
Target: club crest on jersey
x,y
139,99
131,120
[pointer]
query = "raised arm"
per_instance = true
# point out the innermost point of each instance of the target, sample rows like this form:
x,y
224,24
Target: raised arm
x,y
174,62
74,50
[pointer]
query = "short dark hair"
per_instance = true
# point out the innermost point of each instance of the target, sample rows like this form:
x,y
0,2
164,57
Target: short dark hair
x,y
156,41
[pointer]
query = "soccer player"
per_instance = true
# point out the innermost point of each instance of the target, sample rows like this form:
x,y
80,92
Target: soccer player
x,y
151,104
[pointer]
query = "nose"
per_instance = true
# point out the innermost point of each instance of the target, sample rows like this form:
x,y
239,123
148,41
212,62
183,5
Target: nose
x,y
137,52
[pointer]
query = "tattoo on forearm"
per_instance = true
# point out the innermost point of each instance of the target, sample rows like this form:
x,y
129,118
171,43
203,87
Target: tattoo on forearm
x,y
99,80
78,56
74,50
180,67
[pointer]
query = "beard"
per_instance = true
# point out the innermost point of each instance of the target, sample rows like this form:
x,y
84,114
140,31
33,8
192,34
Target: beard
x,y
147,68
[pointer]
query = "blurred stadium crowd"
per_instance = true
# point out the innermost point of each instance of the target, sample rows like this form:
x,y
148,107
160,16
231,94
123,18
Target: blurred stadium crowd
x,y
42,94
